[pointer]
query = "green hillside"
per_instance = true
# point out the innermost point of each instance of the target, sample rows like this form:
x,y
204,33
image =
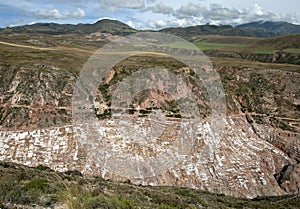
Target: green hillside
x,y
43,188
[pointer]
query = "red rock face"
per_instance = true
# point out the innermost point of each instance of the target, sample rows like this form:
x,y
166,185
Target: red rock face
x,y
36,97
257,155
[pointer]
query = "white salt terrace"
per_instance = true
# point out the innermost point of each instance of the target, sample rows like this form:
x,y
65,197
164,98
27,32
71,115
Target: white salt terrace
x,y
241,165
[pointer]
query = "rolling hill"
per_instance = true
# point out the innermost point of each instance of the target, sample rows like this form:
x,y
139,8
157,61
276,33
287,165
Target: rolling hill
x,y
104,26
115,27
271,28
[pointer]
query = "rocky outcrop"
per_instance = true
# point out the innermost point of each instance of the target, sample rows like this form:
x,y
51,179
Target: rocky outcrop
x,y
257,155
289,178
241,165
35,97
278,57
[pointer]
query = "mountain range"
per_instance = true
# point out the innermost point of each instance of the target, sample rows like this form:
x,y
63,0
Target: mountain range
x,y
105,26
254,29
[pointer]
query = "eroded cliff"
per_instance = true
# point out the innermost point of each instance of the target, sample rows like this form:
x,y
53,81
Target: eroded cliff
x,y
257,155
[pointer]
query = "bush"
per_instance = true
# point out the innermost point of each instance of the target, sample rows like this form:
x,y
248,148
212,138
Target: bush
x,y
37,184
42,168
14,192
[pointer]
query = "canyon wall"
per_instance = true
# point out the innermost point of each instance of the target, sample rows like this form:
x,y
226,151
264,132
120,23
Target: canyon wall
x,y
242,164
257,155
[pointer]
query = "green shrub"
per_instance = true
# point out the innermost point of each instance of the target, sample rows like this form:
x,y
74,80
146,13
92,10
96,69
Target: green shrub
x,y
37,184
14,192
42,168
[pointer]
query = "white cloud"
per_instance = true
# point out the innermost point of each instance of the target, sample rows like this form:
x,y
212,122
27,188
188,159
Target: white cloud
x,y
190,10
257,10
218,12
136,25
55,14
114,5
196,14
158,23
160,8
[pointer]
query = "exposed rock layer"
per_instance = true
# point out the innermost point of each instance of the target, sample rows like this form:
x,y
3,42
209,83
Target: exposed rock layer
x,y
257,154
242,165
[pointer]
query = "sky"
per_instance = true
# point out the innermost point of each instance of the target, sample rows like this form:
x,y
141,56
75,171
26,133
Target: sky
x,y
148,14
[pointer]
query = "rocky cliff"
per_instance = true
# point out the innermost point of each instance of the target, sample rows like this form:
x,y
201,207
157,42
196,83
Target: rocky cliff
x,y
257,155
243,165
280,57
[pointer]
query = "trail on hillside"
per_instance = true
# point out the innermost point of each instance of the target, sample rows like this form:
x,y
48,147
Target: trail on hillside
x,y
26,46
47,48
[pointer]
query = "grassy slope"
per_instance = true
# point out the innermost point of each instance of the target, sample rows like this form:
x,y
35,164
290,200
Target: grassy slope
x,y
41,186
289,44
204,45
23,54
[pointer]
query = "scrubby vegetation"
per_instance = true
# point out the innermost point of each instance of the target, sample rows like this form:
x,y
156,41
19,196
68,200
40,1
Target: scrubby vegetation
x,y
22,186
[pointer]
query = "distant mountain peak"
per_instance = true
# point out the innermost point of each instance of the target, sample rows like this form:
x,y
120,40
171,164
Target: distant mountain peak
x,y
273,28
106,20
114,27
259,28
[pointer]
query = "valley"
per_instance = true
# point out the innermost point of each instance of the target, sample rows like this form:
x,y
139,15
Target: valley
x,y
257,155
